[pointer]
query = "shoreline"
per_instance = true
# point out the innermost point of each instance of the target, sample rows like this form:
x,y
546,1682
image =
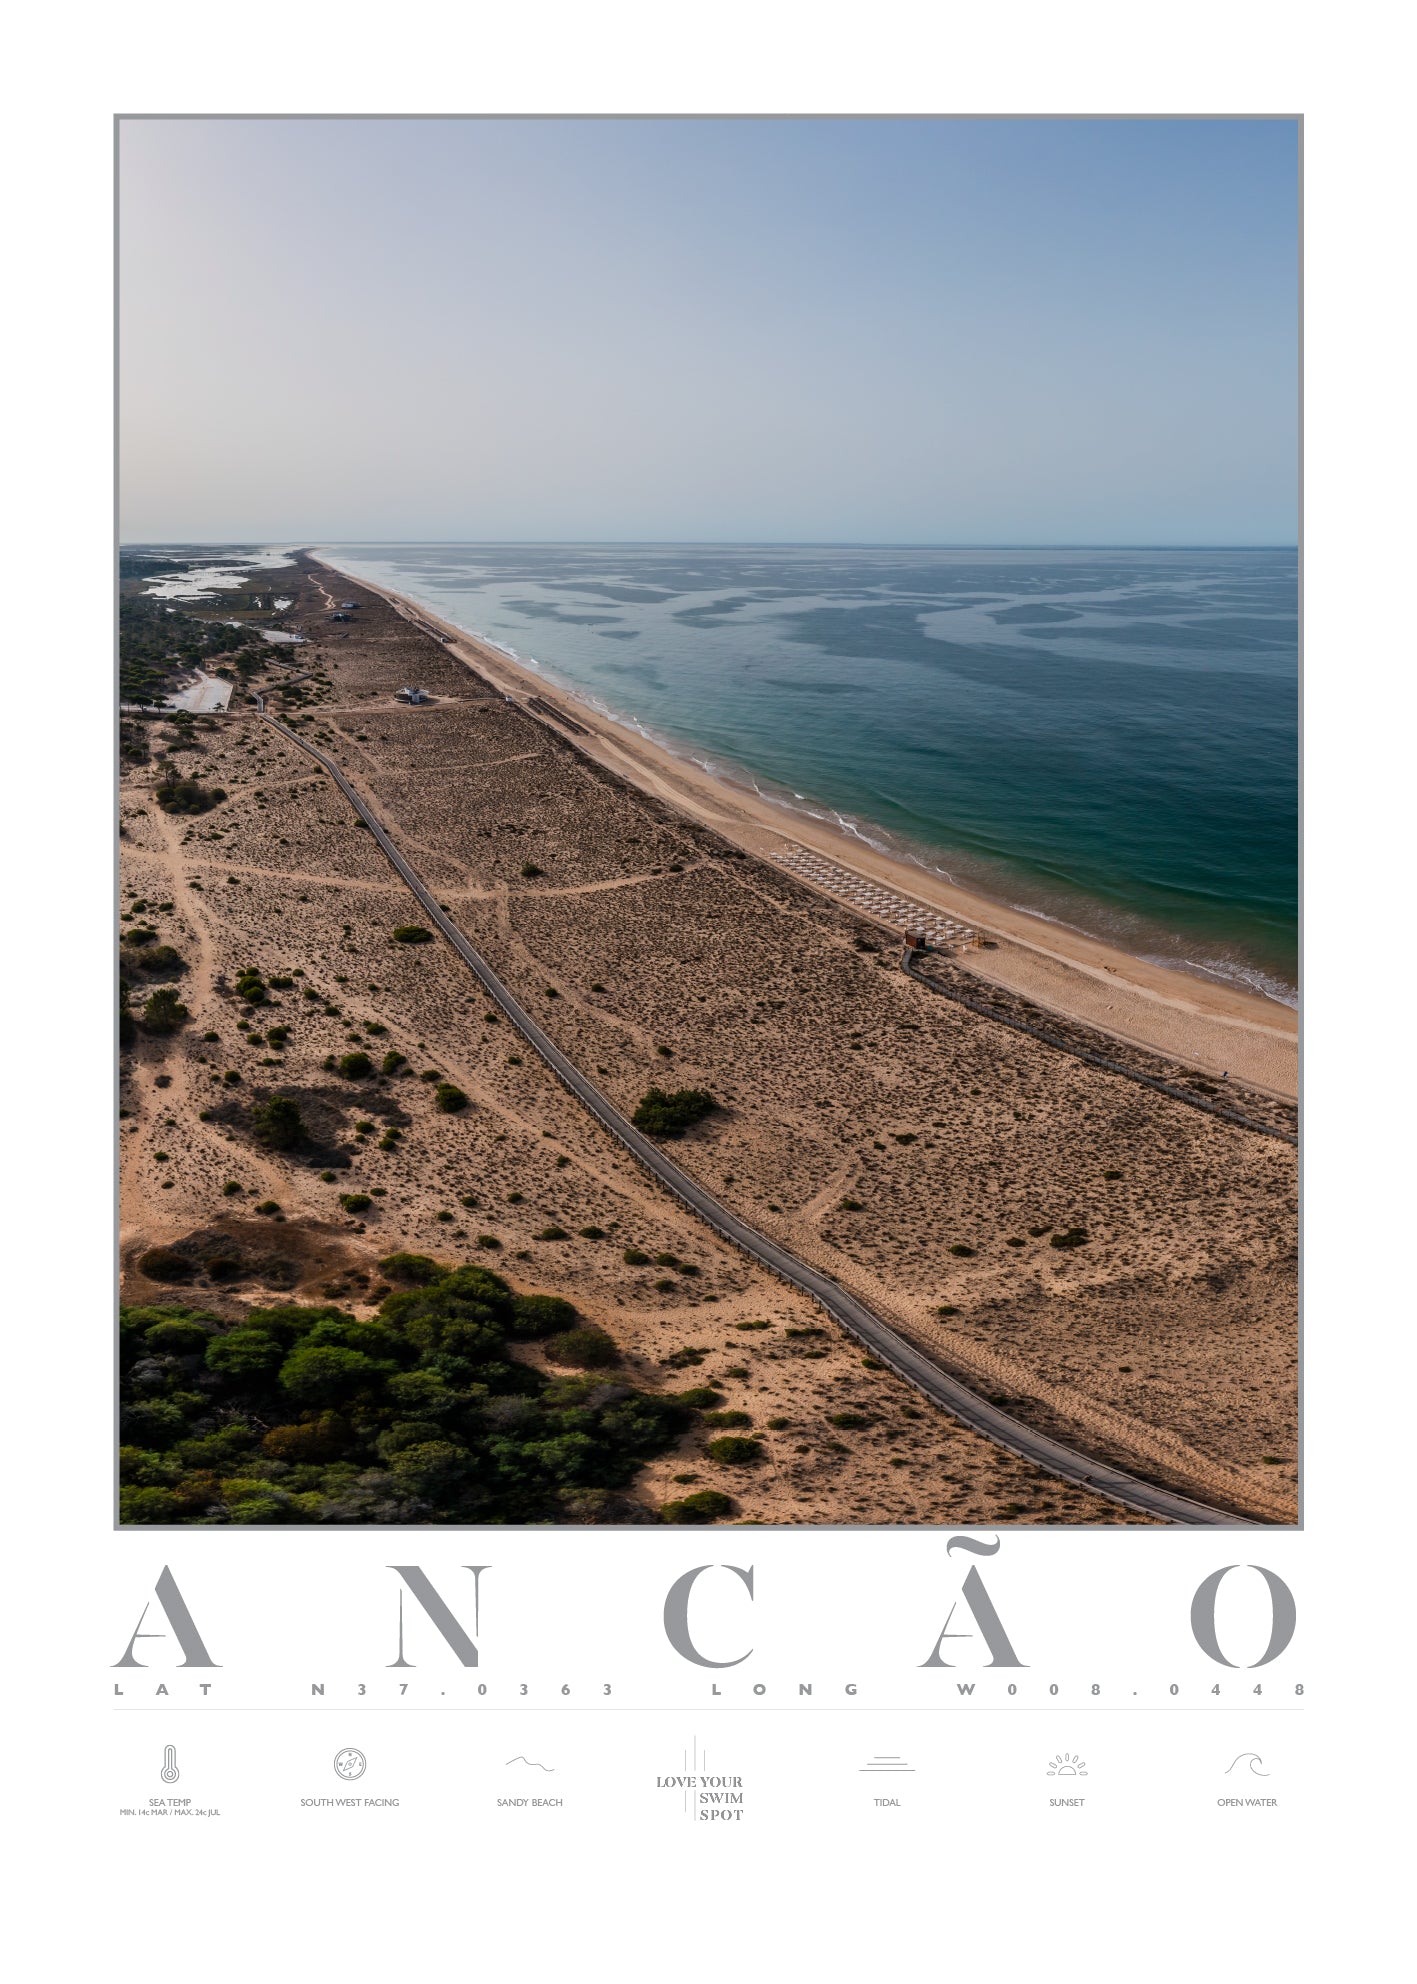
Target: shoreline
x,y
1212,1026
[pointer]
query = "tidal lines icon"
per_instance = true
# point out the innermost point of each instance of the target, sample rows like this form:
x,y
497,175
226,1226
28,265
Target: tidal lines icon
x,y
888,1764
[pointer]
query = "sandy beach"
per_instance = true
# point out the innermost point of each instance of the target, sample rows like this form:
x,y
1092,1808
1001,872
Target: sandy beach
x,y
1215,1028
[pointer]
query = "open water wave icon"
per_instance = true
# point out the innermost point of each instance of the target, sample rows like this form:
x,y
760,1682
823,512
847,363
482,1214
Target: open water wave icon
x,y
1253,1759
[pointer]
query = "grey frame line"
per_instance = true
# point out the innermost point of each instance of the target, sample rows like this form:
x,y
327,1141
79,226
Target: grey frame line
x,y
709,117
1303,1030
1297,118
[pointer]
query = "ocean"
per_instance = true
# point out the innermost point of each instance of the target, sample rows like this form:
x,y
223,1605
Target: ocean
x,y
1105,737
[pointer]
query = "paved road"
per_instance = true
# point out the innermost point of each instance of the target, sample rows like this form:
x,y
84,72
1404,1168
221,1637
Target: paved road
x,y
854,1317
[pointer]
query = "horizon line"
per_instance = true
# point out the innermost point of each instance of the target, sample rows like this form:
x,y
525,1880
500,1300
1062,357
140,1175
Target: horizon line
x,y
761,543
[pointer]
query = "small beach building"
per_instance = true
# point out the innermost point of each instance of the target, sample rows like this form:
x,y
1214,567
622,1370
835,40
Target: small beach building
x,y
407,695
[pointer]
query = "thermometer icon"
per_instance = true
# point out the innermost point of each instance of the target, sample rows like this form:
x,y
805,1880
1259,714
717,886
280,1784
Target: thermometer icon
x,y
170,1772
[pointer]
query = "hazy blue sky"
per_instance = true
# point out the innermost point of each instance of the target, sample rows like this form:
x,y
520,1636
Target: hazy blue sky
x,y
1075,331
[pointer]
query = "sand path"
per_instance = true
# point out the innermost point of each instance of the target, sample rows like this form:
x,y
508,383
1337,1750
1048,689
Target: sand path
x,y
141,1193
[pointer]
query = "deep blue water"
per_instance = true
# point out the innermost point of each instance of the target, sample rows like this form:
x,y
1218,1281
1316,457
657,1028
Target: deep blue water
x,y
1108,737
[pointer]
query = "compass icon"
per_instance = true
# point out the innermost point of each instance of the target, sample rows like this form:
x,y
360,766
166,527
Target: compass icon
x,y
349,1764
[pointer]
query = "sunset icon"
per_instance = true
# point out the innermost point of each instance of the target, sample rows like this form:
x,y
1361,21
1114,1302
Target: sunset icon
x,y
1067,1764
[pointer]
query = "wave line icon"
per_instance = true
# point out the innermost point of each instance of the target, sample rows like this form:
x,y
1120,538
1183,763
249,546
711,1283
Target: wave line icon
x,y
1253,1759
530,1763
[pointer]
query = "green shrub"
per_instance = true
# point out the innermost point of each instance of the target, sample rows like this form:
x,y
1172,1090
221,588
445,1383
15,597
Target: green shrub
x,y
181,1337
732,1450
355,1201
551,1233
448,1098
965,1253
529,869
162,961
1075,1236
698,1396
164,1012
707,1505
635,1258
392,1062
277,1123
592,1232
851,1421
661,1113
354,1067
326,1374
246,1355
541,1315
752,1326
148,1505
849,1205
414,1270
268,1208
179,795
731,1418
231,1190
412,933
586,1349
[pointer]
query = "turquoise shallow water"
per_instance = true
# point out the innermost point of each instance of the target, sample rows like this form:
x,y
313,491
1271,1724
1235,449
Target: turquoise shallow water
x,y
1106,737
